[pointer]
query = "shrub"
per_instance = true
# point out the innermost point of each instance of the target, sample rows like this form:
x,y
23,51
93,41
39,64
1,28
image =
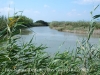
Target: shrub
x,y
26,21
40,23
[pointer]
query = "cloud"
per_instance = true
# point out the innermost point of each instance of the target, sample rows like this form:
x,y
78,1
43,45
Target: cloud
x,y
79,14
31,13
73,13
84,11
46,6
73,10
69,14
54,11
11,2
86,1
6,10
36,12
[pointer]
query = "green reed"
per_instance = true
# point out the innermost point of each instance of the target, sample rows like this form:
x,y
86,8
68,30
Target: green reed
x,y
27,59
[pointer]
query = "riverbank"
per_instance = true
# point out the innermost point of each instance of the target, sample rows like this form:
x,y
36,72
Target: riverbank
x,y
74,27
77,30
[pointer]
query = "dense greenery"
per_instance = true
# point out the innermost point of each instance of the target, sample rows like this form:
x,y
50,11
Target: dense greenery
x,y
28,22
3,20
27,59
23,20
68,23
40,23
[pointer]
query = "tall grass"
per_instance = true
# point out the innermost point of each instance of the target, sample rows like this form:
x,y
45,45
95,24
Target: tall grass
x,y
27,59
69,25
3,20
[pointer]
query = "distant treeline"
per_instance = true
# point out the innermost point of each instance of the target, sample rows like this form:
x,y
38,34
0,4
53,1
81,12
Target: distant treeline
x,y
28,22
41,23
25,21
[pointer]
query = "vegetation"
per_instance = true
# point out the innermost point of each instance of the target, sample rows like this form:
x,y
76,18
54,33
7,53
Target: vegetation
x,y
3,20
79,25
28,22
27,59
23,20
40,23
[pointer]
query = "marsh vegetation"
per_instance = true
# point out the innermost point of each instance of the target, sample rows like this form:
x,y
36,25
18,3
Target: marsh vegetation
x,y
27,59
77,27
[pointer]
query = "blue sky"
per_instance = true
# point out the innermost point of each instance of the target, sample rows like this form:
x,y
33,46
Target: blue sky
x,y
51,10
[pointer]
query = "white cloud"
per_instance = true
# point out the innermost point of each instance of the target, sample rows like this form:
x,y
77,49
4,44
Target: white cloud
x,y
73,12
53,10
84,11
31,11
86,1
11,2
69,14
91,1
79,14
36,12
6,10
46,6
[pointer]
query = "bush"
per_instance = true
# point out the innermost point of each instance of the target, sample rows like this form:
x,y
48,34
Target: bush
x,y
40,23
26,21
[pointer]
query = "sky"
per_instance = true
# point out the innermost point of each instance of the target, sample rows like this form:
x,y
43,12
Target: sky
x,y
51,10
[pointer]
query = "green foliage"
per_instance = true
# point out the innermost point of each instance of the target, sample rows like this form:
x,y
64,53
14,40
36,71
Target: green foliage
x,y
40,23
73,25
23,20
11,28
14,57
27,22
3,20
57,24
23,57
27,59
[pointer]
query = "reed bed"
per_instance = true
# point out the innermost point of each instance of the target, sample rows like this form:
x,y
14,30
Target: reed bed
x,y
27,59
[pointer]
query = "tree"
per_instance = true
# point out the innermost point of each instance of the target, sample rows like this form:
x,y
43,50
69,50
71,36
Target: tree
x,y
28,22
41,23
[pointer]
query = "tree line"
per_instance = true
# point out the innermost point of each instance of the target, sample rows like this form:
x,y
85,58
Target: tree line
x,y
25,22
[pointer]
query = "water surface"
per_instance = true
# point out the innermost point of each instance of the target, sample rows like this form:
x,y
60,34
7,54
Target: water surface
x,y
53,39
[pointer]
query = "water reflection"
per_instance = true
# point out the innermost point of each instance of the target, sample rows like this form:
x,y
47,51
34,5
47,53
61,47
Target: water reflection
x,y
26,31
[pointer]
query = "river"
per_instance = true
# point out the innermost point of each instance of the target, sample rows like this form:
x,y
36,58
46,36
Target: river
x,y
53,39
